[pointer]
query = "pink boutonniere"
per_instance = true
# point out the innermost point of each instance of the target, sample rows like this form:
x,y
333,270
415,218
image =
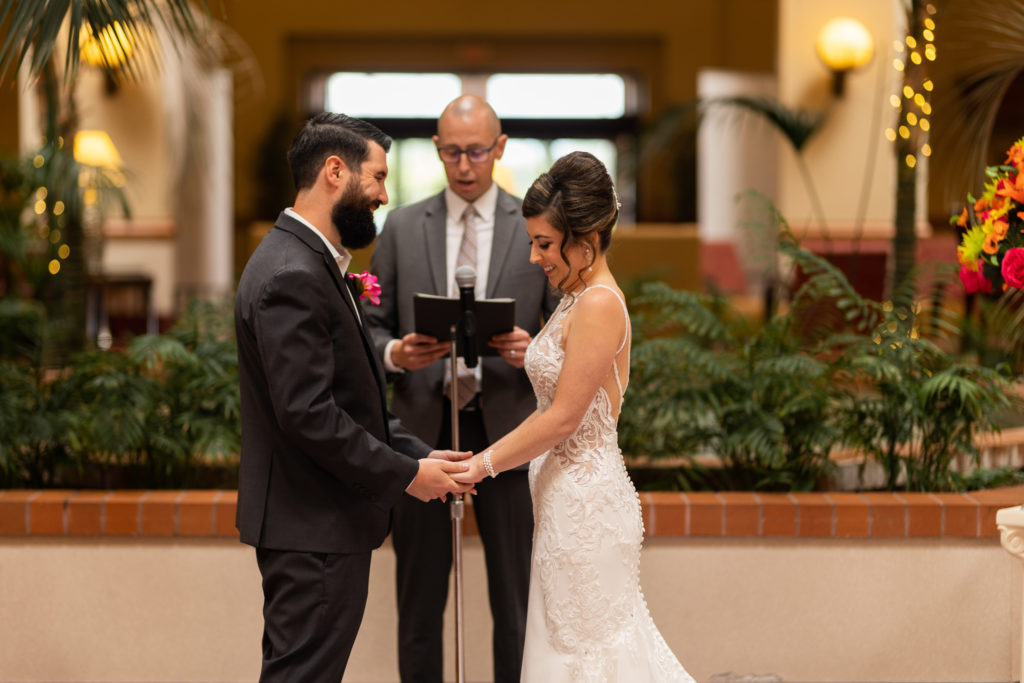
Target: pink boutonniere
x,y
366,283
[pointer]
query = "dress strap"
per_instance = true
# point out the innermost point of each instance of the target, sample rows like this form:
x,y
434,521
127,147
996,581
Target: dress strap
x,y
625,311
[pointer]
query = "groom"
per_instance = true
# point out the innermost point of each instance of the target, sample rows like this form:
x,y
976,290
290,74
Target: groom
x,y
322,460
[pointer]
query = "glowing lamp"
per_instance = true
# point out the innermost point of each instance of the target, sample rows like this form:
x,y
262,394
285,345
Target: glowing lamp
x,y
95,148
844,44
111,47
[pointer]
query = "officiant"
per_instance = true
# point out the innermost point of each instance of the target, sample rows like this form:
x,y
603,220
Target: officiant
x,y
475,223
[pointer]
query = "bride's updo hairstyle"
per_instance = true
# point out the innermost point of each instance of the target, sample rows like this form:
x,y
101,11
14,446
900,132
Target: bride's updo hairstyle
x,y
578,199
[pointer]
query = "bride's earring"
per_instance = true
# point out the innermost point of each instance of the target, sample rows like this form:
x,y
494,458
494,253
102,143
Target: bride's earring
x,y
590,269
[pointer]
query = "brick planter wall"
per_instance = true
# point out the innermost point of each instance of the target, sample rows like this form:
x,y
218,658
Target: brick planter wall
x,y
720,514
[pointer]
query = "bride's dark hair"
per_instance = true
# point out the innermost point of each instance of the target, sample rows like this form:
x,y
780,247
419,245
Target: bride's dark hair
x,y
578,199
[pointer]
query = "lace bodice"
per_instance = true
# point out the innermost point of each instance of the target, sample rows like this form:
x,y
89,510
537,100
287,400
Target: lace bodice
x,y
597,429
588,531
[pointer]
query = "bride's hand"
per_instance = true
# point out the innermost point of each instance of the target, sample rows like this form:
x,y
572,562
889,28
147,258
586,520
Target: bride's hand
x,y
474,474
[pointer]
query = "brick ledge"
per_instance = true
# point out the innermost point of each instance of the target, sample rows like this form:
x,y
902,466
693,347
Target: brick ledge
x,y
211,514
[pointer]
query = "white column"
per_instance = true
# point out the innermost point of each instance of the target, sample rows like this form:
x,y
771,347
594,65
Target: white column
x,y
1011,533
205,217
736,152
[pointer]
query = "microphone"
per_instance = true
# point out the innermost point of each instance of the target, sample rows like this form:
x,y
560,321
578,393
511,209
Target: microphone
x,y
465,278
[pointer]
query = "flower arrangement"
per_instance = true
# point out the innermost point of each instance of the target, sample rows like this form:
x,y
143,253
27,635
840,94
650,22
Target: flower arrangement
x,y
366,283
991,252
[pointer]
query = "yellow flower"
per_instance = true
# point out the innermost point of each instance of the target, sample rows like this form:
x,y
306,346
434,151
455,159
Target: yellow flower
x,y
970,247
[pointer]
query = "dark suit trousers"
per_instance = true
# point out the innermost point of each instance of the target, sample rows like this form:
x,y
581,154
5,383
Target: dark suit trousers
x,y
422,538
312,606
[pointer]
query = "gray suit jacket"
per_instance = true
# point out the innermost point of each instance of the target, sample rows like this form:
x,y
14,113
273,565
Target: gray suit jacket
x,y
410,257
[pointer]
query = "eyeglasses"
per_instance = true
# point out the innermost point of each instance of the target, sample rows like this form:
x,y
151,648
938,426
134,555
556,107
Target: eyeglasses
x,y
476,155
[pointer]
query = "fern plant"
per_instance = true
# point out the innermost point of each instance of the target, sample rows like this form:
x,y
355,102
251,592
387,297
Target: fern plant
x,y
152,415
834,369
703,381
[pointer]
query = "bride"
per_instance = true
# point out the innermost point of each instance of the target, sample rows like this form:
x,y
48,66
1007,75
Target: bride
x,y
587,619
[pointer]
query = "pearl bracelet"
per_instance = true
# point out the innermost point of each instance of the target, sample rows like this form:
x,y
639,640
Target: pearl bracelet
x,y
488,467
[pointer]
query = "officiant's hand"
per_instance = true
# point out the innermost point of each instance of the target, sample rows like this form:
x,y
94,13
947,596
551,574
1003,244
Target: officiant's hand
x,y
511,345
434,479
415,351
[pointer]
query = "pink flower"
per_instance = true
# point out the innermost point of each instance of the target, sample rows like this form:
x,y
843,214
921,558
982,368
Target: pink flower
x,y
368,287
974,282
1013,267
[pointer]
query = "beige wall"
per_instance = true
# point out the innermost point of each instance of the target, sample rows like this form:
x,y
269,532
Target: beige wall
x,y
825,611
850,150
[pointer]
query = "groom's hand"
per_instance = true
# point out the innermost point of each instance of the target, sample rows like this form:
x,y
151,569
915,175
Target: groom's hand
x,y
433,480
453,456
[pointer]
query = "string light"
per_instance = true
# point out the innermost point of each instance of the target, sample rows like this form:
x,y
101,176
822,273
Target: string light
x,y
917,49
58,208
38,161
64,251
41,193
55,237
40,207
54,267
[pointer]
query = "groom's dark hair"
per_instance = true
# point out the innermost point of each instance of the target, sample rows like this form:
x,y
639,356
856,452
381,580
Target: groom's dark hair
x,y
329,134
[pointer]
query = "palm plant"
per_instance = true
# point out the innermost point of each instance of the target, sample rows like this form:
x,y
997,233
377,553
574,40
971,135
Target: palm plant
x,y
126,29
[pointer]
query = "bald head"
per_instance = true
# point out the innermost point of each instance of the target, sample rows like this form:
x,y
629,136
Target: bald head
x,y
469,125
469,110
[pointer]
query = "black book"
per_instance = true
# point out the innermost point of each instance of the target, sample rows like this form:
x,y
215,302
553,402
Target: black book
x,y
435,315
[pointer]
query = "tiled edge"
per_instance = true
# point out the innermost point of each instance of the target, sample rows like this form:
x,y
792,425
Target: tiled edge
x,y
736,514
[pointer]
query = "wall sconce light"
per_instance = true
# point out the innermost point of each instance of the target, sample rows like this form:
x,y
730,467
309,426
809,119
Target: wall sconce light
x,y
844,44
109,49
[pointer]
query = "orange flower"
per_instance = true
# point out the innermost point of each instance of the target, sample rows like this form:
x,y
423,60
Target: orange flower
x,y
999,229
991,245
980,205
1015,155
1012,188
962,221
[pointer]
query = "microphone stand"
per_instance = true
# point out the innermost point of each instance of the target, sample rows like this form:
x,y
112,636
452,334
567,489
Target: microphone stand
x,y
465,330
457,512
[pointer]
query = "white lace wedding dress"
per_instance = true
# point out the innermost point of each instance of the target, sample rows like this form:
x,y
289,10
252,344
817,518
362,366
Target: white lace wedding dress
x,y
587,619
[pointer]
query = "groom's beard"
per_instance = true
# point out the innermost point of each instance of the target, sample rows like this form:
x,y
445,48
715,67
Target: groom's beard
x,y
352,215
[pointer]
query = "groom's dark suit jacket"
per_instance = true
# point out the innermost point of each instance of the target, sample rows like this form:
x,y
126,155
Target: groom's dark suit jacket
x,y
322,460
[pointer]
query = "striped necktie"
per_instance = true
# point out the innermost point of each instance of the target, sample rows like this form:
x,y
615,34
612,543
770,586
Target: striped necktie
x,y
468,384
